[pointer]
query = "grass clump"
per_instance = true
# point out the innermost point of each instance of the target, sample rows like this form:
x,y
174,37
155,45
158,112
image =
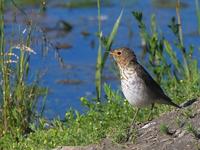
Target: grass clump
x,y
18,93
192,129
107,119
164,129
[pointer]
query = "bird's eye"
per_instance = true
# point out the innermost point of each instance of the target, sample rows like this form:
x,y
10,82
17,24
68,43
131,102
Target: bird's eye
x,y
119,53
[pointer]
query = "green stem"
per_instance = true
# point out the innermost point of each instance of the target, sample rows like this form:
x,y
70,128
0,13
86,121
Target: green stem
x,y
198,14
181,40
99,57
4,69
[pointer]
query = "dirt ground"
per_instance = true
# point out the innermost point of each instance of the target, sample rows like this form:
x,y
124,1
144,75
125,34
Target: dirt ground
x,y
175,130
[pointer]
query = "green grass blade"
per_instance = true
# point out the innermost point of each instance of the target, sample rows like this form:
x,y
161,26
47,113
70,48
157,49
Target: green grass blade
x,y
111,38
102,60
99,56
98,72
198,14
172,56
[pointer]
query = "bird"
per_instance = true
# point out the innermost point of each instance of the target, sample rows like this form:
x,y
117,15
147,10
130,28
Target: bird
x,y
137,85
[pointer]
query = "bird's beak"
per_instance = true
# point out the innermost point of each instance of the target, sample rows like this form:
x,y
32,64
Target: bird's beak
x,y
112,53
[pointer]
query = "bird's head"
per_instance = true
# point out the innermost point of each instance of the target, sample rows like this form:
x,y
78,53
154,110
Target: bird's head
x,y
123,56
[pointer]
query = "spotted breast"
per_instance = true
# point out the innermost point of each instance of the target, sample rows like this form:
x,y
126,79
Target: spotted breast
x,y
134,88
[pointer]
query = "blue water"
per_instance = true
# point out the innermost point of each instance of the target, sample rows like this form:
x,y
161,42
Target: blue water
x,y
80,59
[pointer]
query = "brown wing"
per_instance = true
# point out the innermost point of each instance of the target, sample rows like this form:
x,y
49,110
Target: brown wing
x,y
152,84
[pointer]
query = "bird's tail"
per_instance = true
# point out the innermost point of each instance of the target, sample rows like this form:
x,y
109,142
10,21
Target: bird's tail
x,y
175,105
168,101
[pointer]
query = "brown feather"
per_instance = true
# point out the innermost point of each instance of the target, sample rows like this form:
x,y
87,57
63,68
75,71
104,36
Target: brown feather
x,y
152,84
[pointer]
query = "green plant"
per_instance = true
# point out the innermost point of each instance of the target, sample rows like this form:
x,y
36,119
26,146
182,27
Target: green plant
x,y
18,93
110,118
101,58
190,128
164,129
188,113
84,3
198,14
180,78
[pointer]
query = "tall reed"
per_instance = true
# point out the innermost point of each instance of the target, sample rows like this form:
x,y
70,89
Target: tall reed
x,y
99,56
4,77
198,14
103,55
18,93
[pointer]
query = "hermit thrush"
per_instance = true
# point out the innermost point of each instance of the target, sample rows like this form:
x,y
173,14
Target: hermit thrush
x,y
139,88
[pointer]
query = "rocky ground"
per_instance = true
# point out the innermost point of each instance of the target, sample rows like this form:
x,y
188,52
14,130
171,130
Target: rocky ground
x,y
175,130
